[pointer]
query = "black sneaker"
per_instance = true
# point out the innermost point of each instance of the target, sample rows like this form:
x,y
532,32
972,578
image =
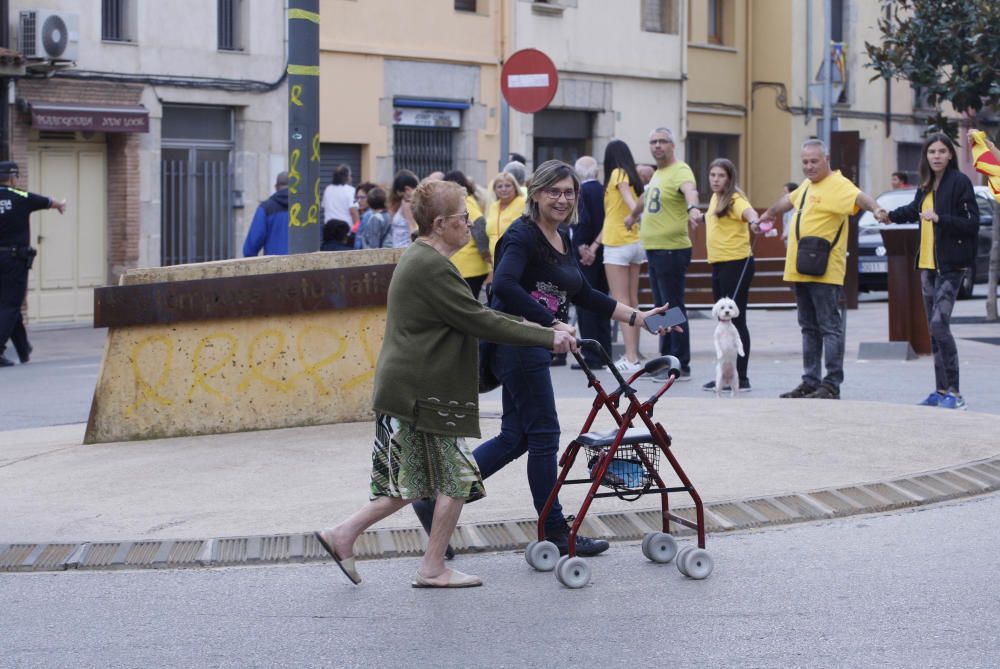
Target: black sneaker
x,y
745,386
24,355
685,374
424,508
585,546
824,392
4,362
802,390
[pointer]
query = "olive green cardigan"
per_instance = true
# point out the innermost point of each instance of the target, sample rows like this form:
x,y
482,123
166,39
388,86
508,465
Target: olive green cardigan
x,y
428,370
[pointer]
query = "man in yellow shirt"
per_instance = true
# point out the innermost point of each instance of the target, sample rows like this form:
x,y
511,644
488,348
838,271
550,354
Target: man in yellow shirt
x,y
669,209
822,203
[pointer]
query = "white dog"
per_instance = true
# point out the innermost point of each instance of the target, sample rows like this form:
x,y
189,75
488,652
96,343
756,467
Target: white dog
x,y
727,346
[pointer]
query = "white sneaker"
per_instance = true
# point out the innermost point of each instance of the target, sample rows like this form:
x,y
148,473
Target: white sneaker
x,y
627,368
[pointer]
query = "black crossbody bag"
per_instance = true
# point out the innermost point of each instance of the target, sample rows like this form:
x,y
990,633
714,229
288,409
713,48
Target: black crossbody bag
x,y
813,252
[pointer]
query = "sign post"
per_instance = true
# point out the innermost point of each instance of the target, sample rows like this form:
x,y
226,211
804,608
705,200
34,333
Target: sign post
x,y
305,229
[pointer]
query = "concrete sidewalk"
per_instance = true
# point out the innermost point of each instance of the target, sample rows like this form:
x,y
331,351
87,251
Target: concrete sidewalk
x,y
756,458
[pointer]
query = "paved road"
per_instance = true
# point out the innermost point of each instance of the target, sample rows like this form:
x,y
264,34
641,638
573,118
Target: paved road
x,y
913,588
56,387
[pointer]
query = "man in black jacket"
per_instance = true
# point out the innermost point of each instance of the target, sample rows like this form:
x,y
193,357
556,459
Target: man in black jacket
x,y
16,256
590,209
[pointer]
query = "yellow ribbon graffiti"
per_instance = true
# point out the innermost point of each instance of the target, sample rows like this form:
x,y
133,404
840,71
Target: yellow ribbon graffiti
x,y
200,377
310,370
281,385
315,149
295,95
145,391
294,176
363,332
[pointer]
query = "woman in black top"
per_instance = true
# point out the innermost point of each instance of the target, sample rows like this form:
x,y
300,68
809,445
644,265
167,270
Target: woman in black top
x,y
536,277
945,206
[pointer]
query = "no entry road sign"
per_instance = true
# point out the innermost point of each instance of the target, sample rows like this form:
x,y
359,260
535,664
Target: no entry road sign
x,y
529,80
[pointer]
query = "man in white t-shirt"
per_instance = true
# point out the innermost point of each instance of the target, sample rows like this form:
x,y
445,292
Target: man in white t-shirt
x,y
338,198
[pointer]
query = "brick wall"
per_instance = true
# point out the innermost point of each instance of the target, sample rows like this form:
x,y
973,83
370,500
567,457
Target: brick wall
x,y
123,158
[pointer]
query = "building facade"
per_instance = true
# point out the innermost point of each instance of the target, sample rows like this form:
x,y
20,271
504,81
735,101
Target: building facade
x,y
396,94
162,124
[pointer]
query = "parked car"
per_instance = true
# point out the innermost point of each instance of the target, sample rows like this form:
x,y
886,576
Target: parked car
x,y
873,265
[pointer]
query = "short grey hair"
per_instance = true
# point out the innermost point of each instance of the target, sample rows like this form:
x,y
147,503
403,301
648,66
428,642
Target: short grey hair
x,y
666,131
815,142
586,168
547,175
516,170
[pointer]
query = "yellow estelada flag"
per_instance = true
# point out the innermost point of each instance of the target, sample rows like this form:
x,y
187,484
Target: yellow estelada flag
x,y
984,161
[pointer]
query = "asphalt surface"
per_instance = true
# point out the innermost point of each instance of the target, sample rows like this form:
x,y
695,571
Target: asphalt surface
x,y
905,589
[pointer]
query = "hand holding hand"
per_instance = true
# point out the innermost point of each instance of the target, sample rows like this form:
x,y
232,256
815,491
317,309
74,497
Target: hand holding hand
x,y
929,216
587,256
629,222
882,216
563,342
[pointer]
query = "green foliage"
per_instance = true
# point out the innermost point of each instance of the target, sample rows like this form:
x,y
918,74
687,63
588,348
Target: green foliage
x,y
947,48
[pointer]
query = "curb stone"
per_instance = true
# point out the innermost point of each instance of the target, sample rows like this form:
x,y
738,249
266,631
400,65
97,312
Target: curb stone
x,y
963,480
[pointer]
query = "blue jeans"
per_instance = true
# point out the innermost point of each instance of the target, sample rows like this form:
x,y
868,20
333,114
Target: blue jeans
x,y
530,424
822,326
667,271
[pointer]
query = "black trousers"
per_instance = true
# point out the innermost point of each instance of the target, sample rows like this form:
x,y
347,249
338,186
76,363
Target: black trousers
x,y
13,288
725,276
592,325
476,284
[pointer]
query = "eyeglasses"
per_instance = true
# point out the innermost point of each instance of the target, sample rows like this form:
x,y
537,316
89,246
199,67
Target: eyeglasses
x,y
555,193
463,215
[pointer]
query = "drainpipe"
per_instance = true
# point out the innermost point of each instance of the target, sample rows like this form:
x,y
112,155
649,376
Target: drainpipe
x,y
809,60
748,123
828,68
504,107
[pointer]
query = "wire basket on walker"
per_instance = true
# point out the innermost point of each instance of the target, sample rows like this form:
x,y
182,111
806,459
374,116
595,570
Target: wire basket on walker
x,y
624,461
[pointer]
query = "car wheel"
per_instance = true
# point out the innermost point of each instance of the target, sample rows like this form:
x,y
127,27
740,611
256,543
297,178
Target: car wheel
x,y
967,284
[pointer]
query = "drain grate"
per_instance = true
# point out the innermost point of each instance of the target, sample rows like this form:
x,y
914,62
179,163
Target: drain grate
x,y
970,478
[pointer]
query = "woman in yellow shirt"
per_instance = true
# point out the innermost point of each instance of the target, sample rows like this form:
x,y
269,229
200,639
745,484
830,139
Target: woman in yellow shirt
x,y
507,208
623,253
945,205
729,252
472,259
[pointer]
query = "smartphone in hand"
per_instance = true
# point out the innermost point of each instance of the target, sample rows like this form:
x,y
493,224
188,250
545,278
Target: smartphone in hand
x,y
669,318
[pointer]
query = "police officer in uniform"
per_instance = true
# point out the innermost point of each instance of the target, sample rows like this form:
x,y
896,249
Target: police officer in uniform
x,y
16,256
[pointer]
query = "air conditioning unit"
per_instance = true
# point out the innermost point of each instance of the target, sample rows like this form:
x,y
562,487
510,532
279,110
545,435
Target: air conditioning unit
x,y
48,35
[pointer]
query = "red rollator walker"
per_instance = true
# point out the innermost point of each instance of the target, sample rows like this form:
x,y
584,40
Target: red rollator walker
x,y
625,460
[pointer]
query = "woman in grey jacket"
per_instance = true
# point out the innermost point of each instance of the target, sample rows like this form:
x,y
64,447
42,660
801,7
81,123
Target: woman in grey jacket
x,y
427,389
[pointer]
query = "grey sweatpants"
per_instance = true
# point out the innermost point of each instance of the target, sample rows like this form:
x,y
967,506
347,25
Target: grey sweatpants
x,y
939,290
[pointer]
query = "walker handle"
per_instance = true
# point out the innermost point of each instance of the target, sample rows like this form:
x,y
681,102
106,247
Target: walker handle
x,y
664,362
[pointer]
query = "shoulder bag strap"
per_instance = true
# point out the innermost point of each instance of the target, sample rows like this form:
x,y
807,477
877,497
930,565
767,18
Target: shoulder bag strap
x,y
798,216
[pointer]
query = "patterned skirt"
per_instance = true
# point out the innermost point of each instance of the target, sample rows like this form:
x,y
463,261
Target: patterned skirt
x,y
410,464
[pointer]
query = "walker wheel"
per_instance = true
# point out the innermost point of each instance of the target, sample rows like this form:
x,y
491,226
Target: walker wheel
x,y
681,557
527,551
573,572
659,547
698,564
542,555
